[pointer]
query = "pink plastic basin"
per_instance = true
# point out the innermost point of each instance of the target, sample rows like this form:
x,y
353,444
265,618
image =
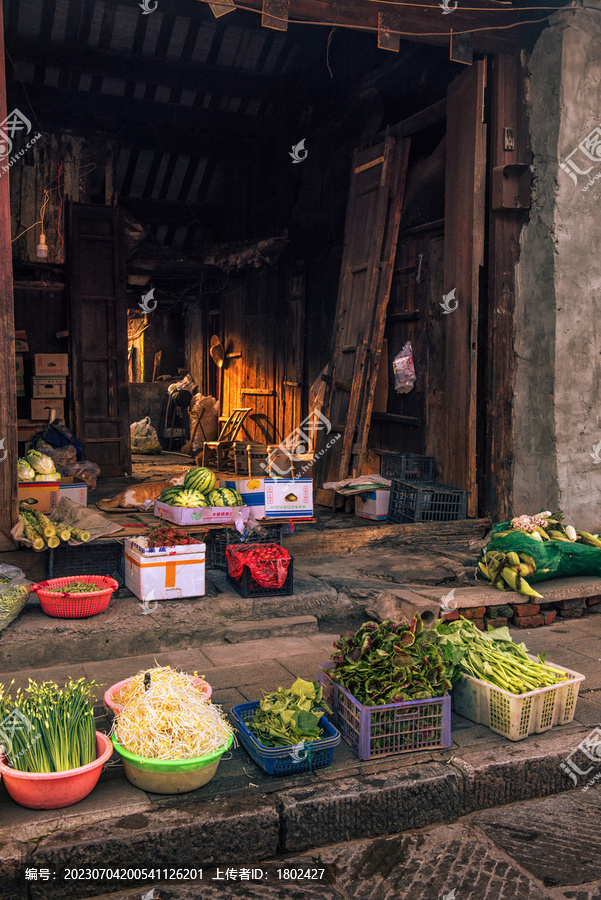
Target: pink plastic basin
x,y
109,702
54,790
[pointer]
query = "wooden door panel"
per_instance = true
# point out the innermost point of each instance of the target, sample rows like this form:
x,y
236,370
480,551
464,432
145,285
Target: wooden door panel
x,y
463,257
98,314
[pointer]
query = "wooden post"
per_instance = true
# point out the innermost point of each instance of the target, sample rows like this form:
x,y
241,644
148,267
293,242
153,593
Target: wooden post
x,y
8,395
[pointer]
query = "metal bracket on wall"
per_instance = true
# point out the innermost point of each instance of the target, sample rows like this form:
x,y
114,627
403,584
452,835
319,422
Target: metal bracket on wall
x,y
511,186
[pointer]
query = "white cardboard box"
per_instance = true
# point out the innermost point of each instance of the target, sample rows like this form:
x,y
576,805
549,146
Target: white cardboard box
x,y
278,498
48,387
373,505
211,515
40,409
252,491
164,573
55,364
75,489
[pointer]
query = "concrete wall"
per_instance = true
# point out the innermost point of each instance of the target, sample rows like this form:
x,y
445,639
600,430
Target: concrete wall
x,y
557,404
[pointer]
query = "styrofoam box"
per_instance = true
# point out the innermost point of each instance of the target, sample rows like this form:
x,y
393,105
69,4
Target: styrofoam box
x,y
40,409
49,387
75,489
252,491
164,573
54,364
219,515
515,716
372,506
278,489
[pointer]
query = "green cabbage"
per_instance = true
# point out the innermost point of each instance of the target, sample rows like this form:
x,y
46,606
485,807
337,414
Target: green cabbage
x,y
53,476
24,470
42,464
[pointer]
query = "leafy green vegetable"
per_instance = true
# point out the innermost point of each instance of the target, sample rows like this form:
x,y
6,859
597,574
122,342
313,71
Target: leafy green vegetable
x,y
492,656
287,717
25,471
42,464
390,663
47,728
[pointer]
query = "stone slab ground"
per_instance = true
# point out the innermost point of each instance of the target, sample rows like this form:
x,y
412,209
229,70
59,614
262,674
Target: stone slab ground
x,y
244,817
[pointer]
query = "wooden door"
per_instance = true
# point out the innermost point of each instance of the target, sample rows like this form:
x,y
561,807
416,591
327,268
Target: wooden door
x,y
371,230
98,326
455,444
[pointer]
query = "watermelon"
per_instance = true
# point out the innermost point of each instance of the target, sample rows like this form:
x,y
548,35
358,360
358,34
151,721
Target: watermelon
x,y
199,479
225,497
190,499
170,493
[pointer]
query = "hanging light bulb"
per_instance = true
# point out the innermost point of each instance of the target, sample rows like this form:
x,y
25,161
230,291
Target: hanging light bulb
x,y
42,248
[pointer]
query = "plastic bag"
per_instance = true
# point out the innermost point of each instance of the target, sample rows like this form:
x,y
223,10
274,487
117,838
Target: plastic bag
x,y
66,454
85,469
404,370
268,563
144,438
58,436
14,591
208,410
554,559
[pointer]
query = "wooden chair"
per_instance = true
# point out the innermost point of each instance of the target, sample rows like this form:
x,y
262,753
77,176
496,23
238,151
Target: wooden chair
x,y
213,452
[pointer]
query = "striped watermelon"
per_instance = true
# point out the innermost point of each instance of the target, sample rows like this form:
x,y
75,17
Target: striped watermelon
x,y
170,493
225,497
199,479
189,499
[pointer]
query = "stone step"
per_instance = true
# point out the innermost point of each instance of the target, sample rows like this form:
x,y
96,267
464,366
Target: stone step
x,y
127,628
119,827
269,628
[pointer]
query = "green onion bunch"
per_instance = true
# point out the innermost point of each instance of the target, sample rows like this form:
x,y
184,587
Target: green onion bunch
x,y
47,728
492,656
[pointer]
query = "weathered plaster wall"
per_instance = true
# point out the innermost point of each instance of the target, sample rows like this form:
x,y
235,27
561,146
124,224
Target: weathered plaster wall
x,y
557,406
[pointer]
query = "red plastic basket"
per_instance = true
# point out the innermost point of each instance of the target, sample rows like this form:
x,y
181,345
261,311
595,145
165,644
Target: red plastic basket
x,y
75,606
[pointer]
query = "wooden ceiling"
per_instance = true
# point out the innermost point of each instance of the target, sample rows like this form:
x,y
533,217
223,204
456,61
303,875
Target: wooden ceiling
x,y
178,91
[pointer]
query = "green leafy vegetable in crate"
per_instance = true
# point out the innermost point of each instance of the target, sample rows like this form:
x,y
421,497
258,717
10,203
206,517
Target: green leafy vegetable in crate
x,y
493,657
58,730
390,663
287,717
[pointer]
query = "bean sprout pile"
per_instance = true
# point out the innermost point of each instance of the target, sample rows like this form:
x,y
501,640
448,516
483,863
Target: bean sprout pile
x,y
160,675
170,720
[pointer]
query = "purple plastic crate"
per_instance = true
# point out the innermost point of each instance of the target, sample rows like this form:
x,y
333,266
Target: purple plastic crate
x,y
374,731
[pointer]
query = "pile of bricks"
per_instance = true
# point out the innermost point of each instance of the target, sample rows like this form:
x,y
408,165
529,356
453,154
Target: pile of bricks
x,y
523,615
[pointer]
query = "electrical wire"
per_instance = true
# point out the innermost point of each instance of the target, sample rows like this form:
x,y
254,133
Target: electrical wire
x,y
367,28
40,220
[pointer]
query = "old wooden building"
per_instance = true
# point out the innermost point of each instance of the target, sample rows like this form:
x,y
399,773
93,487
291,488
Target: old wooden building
x,y
317,184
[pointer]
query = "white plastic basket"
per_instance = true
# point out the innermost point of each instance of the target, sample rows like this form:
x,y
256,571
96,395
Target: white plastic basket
x,y
515,716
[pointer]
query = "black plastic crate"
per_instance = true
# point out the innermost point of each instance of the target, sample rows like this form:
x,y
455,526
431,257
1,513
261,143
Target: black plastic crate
x,y
417,501
102,558
220,538
408,466
246,590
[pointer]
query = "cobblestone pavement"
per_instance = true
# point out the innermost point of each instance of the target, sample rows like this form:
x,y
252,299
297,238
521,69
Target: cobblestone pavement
x,y
538,850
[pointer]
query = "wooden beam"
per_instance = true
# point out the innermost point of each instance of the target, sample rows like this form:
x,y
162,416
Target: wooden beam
x,y
152,70
8,395
507,111
104,112
422,23
171,212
